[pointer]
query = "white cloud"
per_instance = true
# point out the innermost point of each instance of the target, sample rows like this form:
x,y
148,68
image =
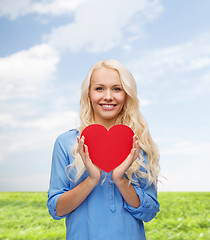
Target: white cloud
x,y
26,72
48,122
144,102
26,83
187,57
185,164
180,72
186,181
35,182
97,25
31,143
187,148
14,9
56,120
56,7
101,25
39,133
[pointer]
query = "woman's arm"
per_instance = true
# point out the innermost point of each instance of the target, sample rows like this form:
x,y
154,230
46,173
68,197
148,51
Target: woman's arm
x,y
127,190
128,193
147,194
62,198
149,204
71,199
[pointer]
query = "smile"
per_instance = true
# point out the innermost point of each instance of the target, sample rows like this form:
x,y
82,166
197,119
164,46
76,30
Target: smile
x,y
108,106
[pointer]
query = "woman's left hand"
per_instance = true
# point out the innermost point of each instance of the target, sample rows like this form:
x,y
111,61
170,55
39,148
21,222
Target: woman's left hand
x,y
118,172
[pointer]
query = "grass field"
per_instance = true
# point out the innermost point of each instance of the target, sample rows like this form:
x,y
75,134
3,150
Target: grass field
x,y
182,216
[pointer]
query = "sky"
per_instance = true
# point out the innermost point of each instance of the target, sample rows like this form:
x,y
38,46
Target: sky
x,y
46,50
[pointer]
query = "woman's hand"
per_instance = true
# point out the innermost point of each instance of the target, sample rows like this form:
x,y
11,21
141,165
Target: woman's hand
x,y
118,172
93,170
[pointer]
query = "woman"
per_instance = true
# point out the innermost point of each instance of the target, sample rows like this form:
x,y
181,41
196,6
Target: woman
x,y
99,205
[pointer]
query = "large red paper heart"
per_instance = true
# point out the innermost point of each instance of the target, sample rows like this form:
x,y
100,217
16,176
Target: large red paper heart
x,y
108,149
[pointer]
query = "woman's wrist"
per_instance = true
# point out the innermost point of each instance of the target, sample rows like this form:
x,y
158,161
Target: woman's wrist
x,y
93,182
119,181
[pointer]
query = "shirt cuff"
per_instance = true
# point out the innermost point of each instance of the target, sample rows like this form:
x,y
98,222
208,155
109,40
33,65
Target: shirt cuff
x,y
134,210
51,203
148,206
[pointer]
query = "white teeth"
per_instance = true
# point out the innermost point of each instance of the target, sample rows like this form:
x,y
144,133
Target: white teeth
x,y
108,106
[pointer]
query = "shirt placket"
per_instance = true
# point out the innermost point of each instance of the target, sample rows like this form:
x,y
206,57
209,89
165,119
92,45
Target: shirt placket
x,y
111,196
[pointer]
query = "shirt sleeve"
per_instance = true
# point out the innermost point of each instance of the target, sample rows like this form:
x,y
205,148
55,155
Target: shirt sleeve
x,y
149,205
59,182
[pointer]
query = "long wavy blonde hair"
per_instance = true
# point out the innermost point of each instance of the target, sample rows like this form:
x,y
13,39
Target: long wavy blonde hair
x,y
130,116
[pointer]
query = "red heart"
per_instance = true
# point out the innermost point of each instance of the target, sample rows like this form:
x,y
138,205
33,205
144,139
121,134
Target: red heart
x,y
108,149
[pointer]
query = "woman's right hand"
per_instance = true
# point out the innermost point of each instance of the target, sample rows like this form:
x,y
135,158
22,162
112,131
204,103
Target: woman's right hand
x,y
93,170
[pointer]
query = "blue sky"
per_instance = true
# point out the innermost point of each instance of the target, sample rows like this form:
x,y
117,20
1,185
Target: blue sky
x,y
46,50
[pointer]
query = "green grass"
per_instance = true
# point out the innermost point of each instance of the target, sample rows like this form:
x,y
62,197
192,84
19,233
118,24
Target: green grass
x,y
182,216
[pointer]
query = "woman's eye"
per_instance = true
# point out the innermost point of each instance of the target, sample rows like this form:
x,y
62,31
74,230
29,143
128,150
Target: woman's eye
x,y
117,89
99,89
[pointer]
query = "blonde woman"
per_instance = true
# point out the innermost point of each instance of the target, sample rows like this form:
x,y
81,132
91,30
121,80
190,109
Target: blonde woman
x,y
96,205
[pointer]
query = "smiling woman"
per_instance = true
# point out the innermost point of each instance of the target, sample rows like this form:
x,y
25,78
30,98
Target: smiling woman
x,y
107,96
107,205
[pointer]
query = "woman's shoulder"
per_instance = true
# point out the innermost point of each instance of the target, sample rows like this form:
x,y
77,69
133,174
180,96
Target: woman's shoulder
x,y
68,136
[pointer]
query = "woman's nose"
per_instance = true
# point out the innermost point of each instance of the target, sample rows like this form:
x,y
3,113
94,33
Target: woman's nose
x,y
108,95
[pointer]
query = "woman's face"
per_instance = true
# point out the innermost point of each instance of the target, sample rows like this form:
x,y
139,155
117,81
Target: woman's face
x,y
107,96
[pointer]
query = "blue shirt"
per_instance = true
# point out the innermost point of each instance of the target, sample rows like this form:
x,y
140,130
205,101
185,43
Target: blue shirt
x,y
103,214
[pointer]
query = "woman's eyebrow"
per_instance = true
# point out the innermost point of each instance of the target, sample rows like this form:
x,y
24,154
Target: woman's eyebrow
x,y
104,85
115,85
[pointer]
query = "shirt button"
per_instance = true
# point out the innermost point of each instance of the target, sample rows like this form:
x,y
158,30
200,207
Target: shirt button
x,y
111,197
111,185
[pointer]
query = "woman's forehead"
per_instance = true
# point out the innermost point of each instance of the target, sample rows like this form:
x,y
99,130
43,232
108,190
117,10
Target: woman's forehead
x,y
105,76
